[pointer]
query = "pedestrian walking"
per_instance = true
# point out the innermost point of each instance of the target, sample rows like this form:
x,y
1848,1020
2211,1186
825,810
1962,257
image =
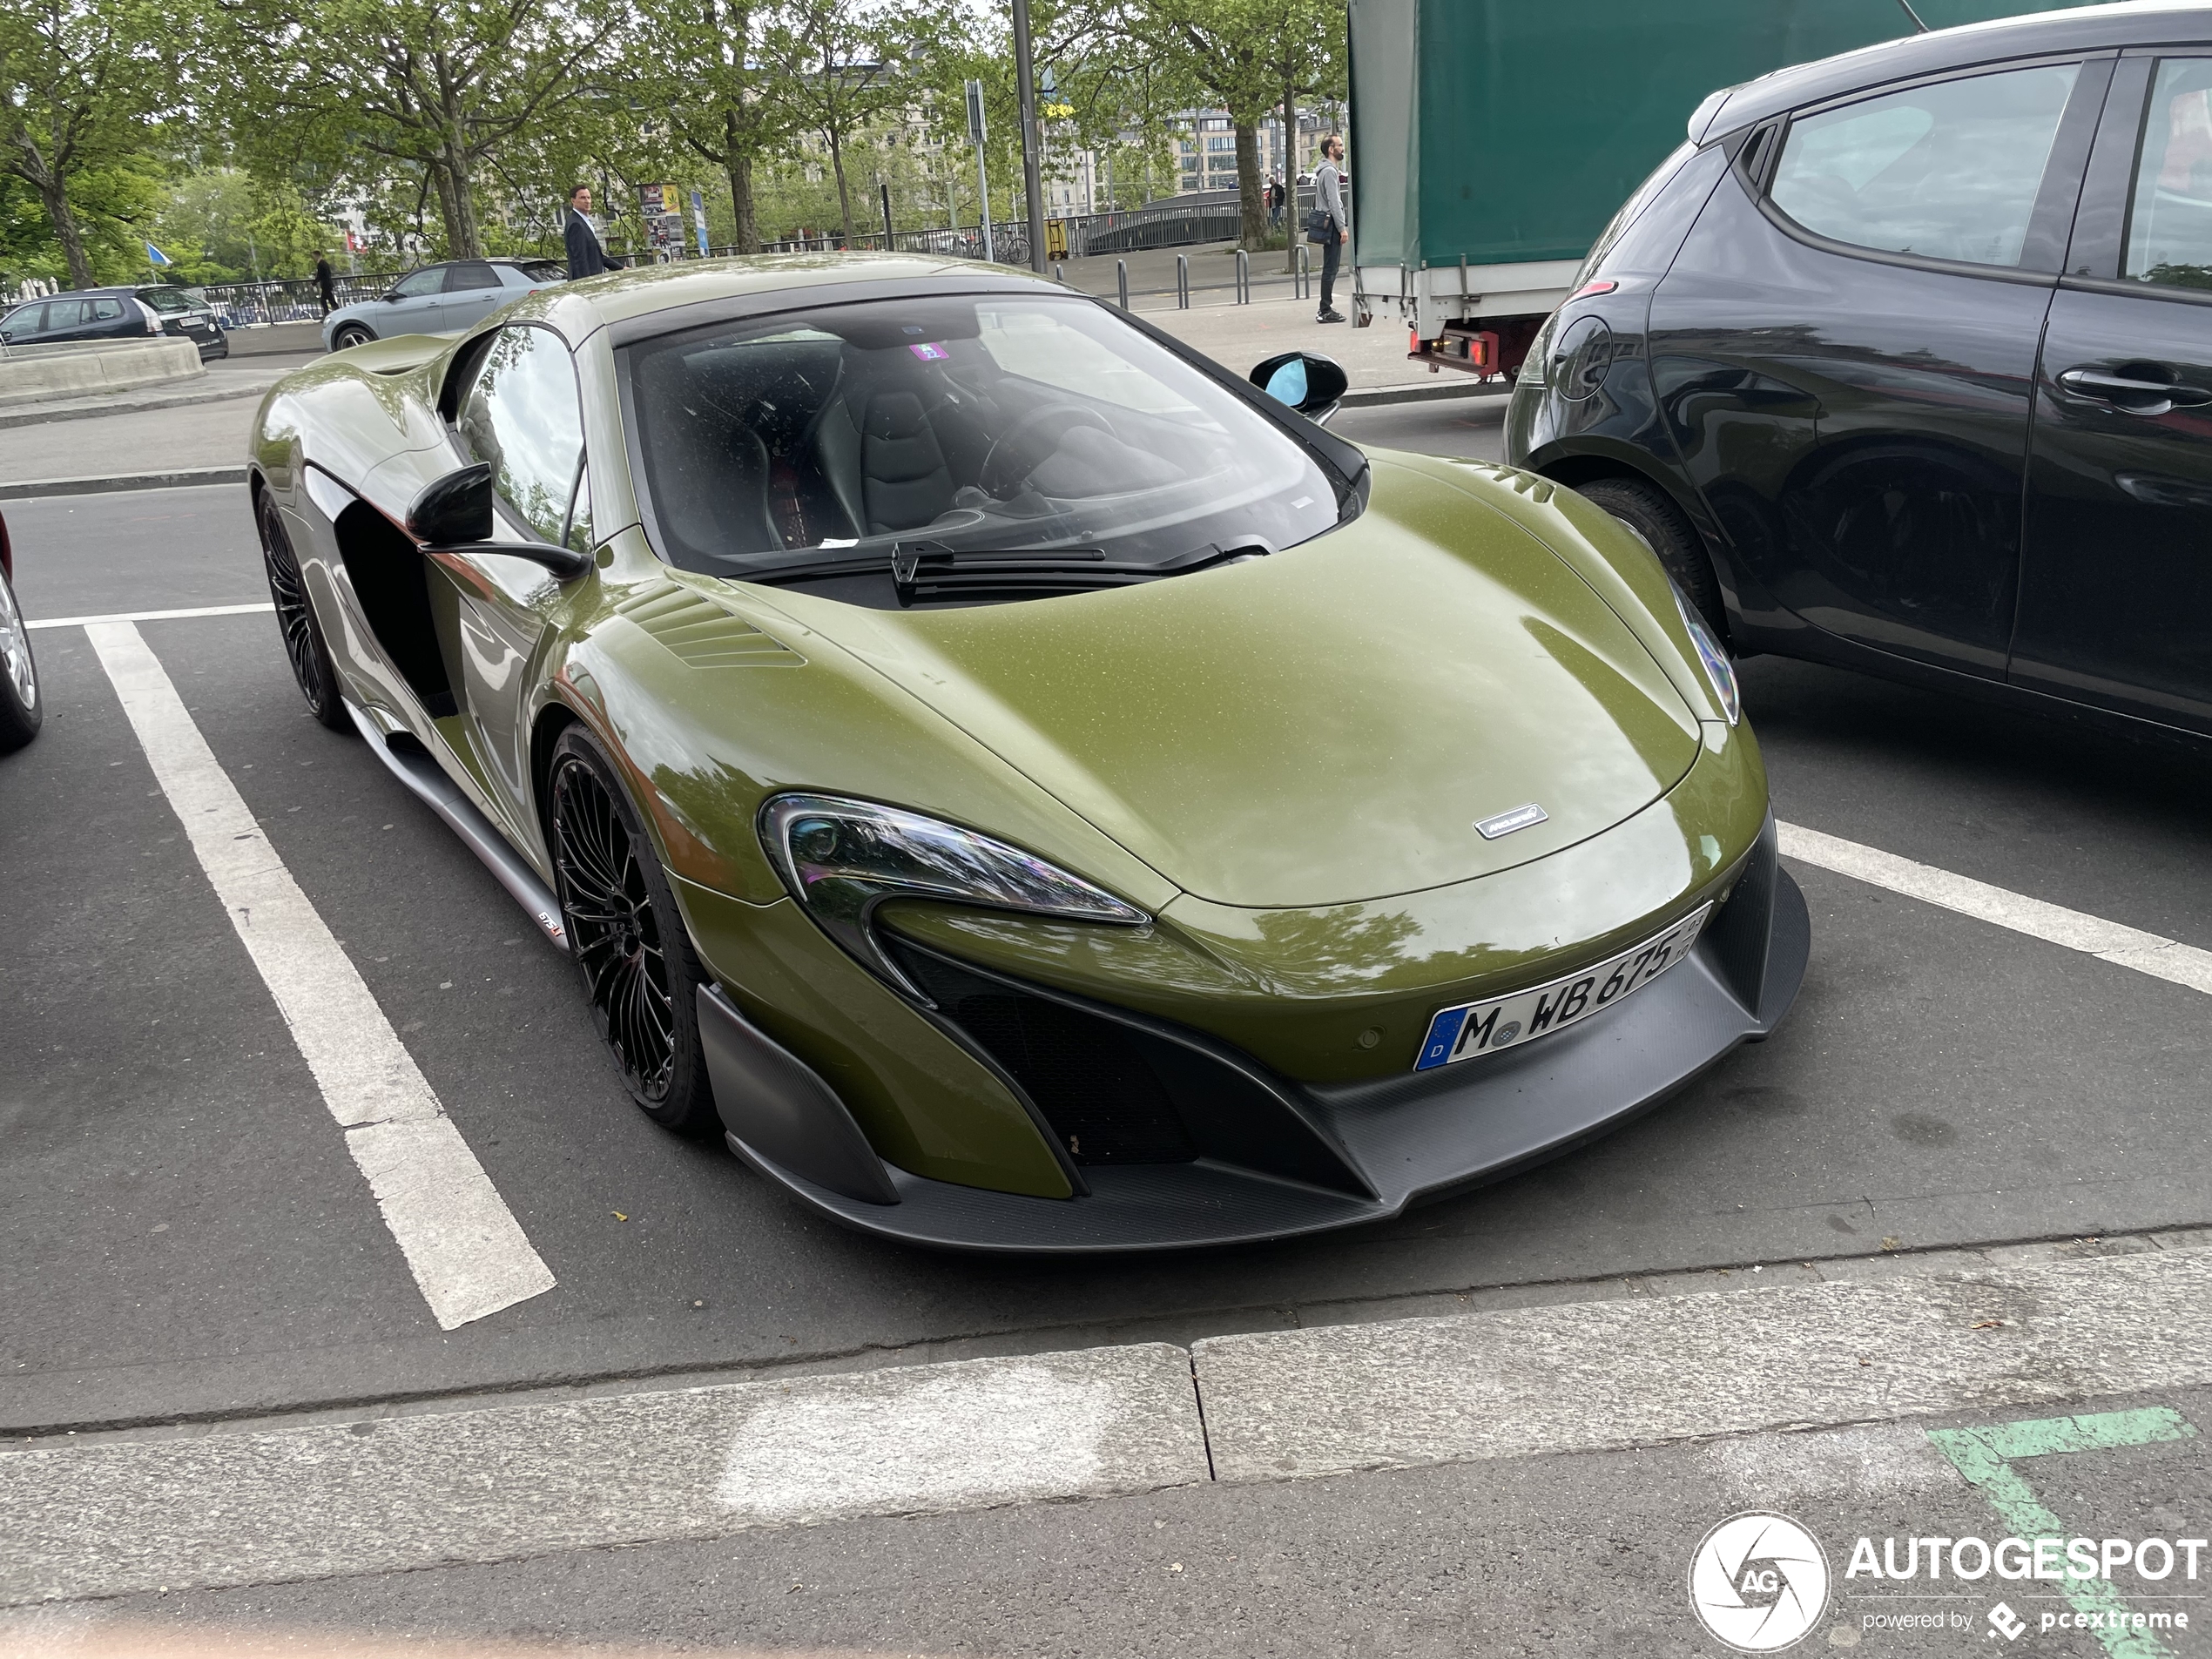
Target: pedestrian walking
x,y
326,283
1274,201
1327,223
588,255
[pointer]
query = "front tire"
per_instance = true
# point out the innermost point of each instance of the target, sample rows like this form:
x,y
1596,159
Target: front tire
x,y
352,333
22,709
1651,513
640,973
303,640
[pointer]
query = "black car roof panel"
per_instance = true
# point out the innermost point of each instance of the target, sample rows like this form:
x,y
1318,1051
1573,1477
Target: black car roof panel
x,y
2091,27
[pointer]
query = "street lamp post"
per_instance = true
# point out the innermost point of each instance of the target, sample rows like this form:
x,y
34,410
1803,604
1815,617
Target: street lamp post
x,y
1032,186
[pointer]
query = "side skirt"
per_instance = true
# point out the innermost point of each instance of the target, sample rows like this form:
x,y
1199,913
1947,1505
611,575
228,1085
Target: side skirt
x,y
422,777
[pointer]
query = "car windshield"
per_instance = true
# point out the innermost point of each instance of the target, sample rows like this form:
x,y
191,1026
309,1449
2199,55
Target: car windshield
x,y
171,299
541,270
971,422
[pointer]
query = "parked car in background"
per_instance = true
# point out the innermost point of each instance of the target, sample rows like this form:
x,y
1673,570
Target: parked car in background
x,y
1904,362
20,709
439,299
116,314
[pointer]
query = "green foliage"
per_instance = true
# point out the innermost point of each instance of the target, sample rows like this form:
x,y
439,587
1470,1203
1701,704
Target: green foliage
x,y
223,225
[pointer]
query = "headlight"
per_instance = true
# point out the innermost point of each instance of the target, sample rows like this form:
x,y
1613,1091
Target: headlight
x,y
1719,670
842,858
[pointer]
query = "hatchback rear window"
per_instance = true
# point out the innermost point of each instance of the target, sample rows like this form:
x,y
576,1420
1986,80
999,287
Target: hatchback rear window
x,y
1949,171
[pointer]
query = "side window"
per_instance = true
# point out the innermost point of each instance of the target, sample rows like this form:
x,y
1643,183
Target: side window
x,y
24,320
63,313
1949,171
415,284
2170,221
522,413
106,310
460,279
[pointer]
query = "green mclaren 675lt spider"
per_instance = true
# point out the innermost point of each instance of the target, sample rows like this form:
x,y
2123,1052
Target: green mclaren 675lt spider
x,y
1023,787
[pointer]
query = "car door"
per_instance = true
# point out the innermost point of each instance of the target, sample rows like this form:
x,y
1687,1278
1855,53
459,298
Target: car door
x,y
1845,346
521,413
25,324
473,291
66,319
416,304
2116,587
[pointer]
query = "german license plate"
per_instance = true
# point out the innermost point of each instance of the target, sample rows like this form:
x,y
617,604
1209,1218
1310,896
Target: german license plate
x,y
1476,1029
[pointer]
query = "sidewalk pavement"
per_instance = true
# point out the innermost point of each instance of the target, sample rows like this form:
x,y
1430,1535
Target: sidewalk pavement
x,y
151,437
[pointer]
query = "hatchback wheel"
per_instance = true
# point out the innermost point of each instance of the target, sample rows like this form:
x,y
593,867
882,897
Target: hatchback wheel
x,y
21,711
640,972
1648,510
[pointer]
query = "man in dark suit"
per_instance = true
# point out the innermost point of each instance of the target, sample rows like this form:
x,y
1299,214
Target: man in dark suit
x,y
588,256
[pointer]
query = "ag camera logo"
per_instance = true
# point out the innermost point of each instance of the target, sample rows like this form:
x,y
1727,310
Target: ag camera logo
x,y
1759,1582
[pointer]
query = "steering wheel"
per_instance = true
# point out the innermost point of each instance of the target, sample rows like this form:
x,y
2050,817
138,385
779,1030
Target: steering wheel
x,y
1015,454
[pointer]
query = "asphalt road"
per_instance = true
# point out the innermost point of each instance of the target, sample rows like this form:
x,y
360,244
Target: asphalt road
x,y
182,1234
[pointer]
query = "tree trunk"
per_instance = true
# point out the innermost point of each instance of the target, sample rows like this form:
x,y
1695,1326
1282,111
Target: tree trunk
x,y
843,197
1251,207
464,241
55,195
737,161
1290,178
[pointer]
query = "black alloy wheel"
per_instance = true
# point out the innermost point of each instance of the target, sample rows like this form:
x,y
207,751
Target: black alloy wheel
x,y
21,712
1651,513
349,335
303,640
640,972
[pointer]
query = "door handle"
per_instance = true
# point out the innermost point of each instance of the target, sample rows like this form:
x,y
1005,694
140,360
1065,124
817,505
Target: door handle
x,y
2132,396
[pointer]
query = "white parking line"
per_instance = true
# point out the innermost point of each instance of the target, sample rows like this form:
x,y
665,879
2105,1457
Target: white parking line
x,y
153,616
464,1246
2109,941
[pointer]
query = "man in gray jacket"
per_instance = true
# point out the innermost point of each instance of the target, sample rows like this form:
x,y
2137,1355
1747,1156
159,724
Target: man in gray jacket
x,y
1328,200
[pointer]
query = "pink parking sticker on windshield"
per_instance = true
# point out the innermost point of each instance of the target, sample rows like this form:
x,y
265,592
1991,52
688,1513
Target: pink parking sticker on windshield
x,y
930,354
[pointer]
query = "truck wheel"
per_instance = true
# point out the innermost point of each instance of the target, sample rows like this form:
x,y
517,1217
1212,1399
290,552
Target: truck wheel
x,y
1651,513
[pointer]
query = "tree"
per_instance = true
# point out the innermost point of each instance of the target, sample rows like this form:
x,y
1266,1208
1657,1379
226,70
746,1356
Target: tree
x,y
1308,60
442,86
78,79
723,101
1225,48
840,66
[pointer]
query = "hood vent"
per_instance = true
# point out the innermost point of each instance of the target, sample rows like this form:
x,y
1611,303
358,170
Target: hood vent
x,y
702,634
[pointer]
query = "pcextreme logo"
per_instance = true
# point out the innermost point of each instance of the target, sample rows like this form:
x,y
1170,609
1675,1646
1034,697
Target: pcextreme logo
x,y
1759,1582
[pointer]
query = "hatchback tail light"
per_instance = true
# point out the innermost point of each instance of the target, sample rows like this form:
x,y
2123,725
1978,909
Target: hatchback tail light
x,y
152,317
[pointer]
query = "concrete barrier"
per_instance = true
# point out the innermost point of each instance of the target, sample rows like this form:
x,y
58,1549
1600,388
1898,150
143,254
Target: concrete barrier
x,y
39,375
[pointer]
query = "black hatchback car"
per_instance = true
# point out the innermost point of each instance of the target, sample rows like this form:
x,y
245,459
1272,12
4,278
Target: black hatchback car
x,y
116,314
1904,361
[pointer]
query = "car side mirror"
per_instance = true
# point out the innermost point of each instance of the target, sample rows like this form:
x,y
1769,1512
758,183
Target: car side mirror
x,y
1309,383
454,515
392,297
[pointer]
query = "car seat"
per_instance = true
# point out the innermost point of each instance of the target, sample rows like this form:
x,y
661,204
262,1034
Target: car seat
x,y
710,470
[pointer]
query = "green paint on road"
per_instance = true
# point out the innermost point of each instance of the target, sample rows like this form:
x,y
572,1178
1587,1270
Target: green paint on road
x,y
1985,1456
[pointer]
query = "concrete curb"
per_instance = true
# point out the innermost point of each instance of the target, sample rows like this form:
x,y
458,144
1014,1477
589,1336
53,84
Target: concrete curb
x,y
1356,399
43,414
182,478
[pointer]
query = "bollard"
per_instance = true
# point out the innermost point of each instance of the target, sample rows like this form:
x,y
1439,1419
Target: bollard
x,y
1244,278
1183,282
1303,287
1059,271
1120,281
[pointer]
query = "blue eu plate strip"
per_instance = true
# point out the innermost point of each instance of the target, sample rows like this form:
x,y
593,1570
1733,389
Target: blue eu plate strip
x,y
1443,1032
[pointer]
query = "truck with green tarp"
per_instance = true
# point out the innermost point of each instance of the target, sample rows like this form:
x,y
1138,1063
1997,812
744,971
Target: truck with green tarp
x,y
1492,139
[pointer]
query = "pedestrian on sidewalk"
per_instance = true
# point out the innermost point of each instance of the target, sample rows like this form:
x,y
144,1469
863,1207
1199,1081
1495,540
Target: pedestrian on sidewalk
x,y
1327,224
587,254
326,283
1274,201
